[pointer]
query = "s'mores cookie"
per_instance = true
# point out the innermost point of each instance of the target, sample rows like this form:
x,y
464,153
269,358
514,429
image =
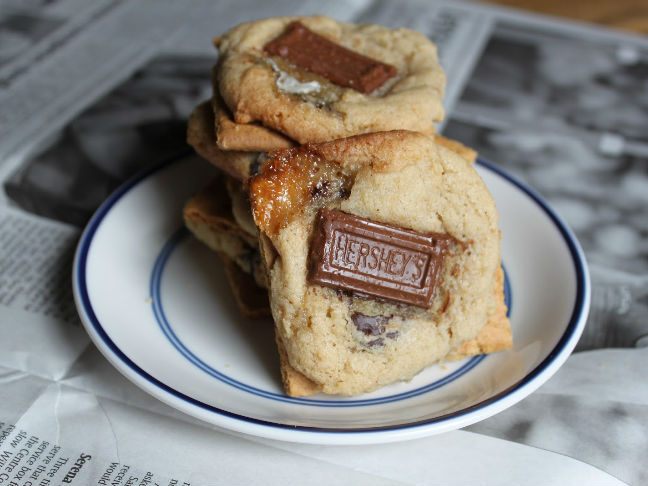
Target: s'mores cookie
x,y
381,253
314,79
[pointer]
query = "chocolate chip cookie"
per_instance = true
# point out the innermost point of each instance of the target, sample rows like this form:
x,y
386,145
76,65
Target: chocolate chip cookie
x,y
381,253
314,79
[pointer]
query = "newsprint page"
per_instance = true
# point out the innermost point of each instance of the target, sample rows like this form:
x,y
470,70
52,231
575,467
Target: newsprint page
x,y
92,93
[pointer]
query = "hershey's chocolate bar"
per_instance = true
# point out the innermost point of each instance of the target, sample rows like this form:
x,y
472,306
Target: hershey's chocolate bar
x,y
312,52
378,259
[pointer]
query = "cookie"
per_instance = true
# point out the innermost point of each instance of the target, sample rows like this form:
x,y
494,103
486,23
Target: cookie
x,y
201,136
314,79
392,201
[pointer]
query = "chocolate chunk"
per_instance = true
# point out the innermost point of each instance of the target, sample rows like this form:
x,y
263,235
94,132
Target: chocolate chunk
x,y
376,342
369,325
321,189
353,253
317,54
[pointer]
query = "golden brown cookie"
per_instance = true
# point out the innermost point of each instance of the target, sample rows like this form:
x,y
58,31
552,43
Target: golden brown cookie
x,y
308,107
351,340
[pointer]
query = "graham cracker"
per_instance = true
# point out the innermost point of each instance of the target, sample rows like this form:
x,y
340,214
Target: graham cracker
x,y
201,136
250,137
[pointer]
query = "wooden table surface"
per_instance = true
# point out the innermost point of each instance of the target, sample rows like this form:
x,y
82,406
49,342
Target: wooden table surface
x,y
629,15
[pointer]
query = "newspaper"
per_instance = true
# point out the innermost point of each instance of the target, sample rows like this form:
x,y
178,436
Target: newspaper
x,y
93,92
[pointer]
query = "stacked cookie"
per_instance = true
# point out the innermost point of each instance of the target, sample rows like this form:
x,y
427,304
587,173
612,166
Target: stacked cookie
x,y
372,241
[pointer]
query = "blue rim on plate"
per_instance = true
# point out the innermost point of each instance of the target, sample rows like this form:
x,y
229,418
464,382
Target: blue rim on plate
x,y
575,324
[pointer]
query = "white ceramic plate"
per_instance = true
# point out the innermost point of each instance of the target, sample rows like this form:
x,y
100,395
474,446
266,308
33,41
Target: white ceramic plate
x,y
157,305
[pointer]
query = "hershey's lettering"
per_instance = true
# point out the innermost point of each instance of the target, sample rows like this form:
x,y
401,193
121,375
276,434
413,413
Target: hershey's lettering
x,y
365,256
